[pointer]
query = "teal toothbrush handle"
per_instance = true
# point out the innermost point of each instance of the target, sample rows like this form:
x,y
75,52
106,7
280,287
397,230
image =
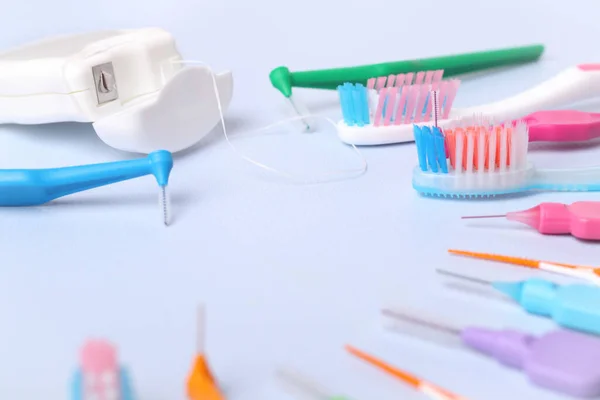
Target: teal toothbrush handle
x,y
31,187
566,180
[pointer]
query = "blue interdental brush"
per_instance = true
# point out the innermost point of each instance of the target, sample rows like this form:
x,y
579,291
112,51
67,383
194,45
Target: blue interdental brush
x,y
32,187
573,306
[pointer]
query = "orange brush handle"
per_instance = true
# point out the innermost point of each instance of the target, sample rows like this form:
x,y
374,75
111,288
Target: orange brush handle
x,y
429,389
512,260
494,257
395,372
201,384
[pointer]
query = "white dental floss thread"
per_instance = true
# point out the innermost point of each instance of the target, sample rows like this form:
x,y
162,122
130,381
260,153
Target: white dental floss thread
x,y
319,179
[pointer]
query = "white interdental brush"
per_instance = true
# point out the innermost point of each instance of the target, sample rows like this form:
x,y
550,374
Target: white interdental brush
x,y
165,205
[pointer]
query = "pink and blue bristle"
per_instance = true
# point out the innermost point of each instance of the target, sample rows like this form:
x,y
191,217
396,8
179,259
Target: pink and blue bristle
x,y
78,392
396,99
431,149
99,376
355,106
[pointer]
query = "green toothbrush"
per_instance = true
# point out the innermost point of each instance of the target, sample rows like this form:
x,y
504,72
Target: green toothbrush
x,y
283,79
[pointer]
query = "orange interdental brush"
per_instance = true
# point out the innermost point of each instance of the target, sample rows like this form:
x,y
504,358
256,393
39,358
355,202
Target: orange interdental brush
x,y
430,390
201,384
577,271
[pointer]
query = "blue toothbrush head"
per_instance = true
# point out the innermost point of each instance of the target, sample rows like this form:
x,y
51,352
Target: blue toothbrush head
x,y
161,164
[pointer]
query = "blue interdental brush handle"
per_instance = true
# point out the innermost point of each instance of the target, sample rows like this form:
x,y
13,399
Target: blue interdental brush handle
x,y
574,306
31,187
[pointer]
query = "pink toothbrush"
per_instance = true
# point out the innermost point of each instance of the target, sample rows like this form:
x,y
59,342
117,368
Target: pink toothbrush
x,y
580,219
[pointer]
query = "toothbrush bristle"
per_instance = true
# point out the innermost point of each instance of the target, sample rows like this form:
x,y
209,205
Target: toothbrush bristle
x,y
396,99
165,205
419,78
390,81
471,158
100,371
429,77
431,149
355,103
371,83
400,79
474,145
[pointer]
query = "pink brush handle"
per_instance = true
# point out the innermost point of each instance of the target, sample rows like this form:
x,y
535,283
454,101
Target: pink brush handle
x,y
563,126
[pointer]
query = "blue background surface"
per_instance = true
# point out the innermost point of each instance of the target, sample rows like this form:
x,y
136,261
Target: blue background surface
x,y
289,273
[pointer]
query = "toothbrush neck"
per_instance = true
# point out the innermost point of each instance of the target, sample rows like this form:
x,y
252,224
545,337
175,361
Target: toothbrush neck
x,y
76,179
508,347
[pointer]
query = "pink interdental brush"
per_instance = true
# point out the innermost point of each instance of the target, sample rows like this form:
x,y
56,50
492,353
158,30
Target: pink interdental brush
x,y
580,219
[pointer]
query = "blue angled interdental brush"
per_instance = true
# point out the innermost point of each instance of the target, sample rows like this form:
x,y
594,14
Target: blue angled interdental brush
x,y
32,187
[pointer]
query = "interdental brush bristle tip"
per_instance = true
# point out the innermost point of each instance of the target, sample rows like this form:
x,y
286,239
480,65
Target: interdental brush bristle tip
x,y
164,203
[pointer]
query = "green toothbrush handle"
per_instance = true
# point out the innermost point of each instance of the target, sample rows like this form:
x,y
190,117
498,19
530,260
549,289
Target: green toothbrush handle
x,y
283,80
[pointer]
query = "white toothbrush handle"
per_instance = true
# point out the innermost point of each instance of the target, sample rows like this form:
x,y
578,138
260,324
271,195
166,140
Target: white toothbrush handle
x,y
573,85
571,180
